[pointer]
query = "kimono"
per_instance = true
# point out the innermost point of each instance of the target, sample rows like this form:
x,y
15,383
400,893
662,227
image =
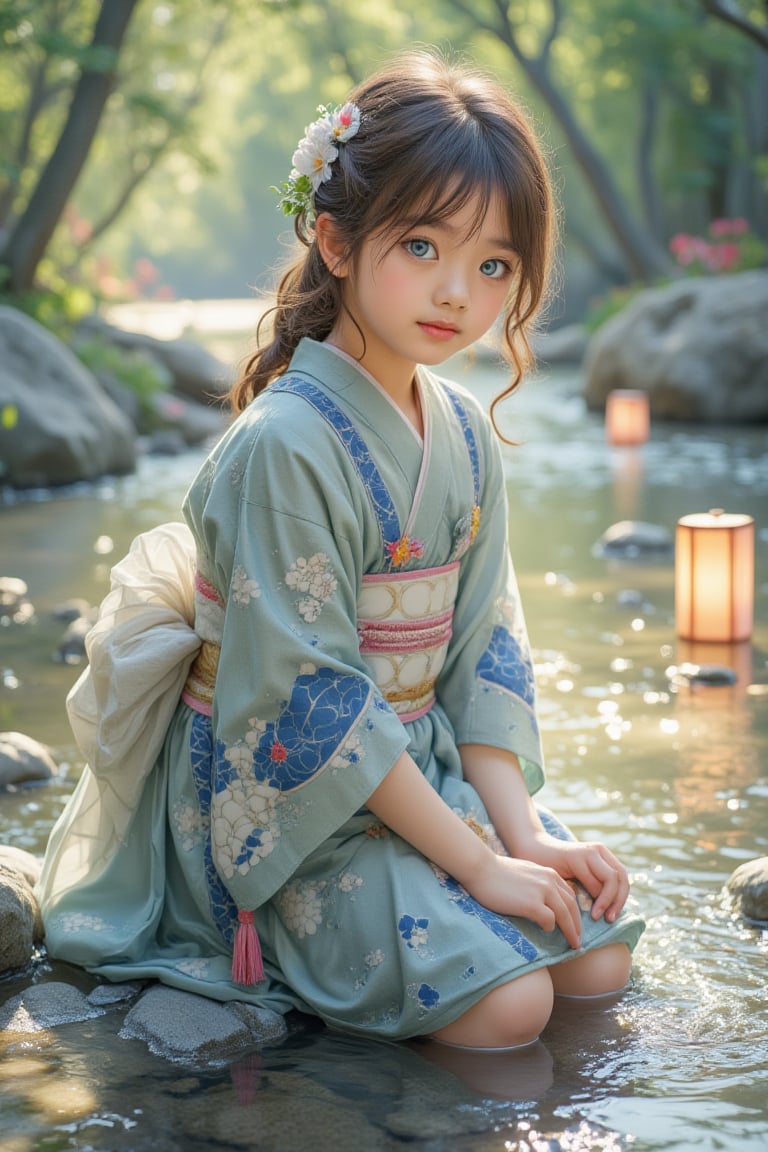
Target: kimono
x,y
349,595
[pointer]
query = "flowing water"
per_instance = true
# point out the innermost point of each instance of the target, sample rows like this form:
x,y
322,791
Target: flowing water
x,y
673,779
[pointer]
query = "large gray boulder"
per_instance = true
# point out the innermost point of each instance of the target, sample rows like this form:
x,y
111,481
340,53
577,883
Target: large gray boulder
x,y
60,426
698,347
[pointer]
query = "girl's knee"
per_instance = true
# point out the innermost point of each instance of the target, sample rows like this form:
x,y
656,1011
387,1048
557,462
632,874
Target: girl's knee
x,y
600,973
507,1017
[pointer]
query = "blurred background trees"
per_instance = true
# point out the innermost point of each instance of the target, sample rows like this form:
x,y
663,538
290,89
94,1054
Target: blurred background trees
x,y
139,139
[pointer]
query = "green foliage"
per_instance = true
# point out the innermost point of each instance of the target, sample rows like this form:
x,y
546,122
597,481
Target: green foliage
x,y
58,309
131,368
609,305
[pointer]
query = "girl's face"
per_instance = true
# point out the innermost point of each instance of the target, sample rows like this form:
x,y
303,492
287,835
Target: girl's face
x,y
430,295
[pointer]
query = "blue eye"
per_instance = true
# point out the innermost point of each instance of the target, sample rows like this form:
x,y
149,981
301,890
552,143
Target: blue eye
x,y
421,249
494,269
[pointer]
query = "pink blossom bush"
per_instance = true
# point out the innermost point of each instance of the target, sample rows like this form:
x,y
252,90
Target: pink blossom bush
x,y
730,246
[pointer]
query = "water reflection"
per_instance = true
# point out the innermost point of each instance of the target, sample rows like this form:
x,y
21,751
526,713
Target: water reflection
x,y
628,474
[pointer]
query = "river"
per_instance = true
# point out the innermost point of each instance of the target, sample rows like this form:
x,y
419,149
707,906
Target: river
x,y
674,780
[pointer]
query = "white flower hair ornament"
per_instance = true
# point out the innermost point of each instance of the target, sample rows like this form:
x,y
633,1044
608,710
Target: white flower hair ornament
x,y
314,156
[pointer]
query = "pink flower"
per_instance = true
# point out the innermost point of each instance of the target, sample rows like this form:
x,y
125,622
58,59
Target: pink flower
x,y
145,271
727,257
720,227
725,227
679,243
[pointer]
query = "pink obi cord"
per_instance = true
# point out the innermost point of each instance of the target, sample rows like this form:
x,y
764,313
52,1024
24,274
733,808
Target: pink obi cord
x,y
403,636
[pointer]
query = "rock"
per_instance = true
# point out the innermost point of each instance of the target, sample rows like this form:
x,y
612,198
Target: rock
x,y
715,675
195,372
267,1026
105,995
73,609
121,395
698,347
565,345
21,928
44,1006
14,604
748,889
23,759
71,650
165,442
12,592
182,1026
17,860
196,423
633,539
630,598
66,428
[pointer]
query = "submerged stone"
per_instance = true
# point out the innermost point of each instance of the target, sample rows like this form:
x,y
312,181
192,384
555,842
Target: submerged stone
x,y
633,540
715,675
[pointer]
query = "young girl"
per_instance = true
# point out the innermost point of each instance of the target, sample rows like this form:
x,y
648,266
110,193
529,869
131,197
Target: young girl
x,y
346,780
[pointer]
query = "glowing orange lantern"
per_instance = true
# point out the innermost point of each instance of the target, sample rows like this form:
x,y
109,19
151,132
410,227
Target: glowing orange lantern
x,y
627,417
715,576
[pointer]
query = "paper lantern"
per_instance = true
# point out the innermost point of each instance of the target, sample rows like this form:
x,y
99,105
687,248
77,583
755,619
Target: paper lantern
x,y
715,576
627,417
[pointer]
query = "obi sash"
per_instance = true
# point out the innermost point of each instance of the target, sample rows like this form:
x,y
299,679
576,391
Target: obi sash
x,y
404,623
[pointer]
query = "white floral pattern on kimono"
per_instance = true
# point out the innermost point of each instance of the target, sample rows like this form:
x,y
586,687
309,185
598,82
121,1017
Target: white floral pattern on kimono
x,y
314,577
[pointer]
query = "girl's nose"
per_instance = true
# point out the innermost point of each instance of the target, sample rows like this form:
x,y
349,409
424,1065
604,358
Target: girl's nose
x,y
453,288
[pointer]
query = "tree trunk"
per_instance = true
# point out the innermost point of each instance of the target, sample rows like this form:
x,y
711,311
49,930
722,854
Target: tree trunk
x,y
31,235
730,14
649,192
645,259
644,256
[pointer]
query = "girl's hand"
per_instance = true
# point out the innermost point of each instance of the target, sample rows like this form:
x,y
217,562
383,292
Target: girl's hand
x,y
591,864
515,887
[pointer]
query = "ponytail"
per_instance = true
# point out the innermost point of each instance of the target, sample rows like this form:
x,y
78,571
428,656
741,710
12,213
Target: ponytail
x,y
308,302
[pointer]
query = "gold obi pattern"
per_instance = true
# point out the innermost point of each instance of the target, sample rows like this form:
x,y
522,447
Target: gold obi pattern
x,y
201,680
209,625
405,623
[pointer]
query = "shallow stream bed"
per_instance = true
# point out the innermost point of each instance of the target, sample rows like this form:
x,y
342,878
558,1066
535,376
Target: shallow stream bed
x,y
675,781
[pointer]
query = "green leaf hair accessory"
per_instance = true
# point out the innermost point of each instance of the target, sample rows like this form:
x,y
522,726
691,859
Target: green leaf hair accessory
x,y
314,156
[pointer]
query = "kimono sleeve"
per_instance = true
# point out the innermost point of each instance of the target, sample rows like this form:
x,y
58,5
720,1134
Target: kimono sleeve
x,y
301,734
487,686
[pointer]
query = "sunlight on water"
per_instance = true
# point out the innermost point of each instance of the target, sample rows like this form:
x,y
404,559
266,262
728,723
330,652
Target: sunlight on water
x,y
673,777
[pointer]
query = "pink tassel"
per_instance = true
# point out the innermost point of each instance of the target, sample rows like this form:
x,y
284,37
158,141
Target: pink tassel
x,y
247,965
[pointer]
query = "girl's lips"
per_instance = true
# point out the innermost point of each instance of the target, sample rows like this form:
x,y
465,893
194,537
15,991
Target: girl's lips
x,y
438,331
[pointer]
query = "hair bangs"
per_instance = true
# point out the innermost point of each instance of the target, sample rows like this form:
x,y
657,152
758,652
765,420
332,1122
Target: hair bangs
x,y
457,173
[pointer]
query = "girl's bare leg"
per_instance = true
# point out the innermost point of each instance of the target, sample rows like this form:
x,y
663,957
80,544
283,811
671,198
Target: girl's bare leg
x,y
511,1015
599,973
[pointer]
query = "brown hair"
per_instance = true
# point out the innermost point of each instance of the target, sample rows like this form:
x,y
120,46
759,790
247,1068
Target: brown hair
x,y
433,137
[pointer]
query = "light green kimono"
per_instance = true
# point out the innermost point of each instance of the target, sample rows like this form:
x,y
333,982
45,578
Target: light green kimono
x,y
321,500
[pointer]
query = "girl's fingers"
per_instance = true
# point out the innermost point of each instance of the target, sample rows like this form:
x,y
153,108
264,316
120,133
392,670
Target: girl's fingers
x,y
614,885
567,914
555,906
